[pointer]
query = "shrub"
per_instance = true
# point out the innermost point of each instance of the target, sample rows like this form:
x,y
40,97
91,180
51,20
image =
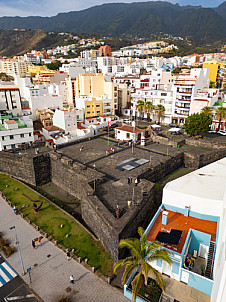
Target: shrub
x,y
64,299
3,243
8,250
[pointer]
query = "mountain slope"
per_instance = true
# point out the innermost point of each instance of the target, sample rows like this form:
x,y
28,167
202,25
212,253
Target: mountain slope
x,y
136,19
22,41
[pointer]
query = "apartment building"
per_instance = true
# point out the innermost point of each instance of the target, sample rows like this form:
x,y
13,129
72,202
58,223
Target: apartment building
x,y
161,96
185,88
14,132
214,71
191,225
10,99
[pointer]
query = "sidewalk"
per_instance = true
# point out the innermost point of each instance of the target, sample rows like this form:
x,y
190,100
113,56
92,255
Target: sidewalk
x,y
50,270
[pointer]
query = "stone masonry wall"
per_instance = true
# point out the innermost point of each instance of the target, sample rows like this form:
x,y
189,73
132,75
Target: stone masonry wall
x,y
19,166
171,164
109,229
70,175
196,161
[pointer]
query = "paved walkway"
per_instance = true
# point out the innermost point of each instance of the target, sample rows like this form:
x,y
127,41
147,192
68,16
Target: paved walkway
x,y
50,270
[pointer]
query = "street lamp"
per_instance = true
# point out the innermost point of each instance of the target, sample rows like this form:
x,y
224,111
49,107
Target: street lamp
x,y
17,242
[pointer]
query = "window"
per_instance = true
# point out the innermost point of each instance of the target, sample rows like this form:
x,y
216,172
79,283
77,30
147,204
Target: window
x,y
11,136
3,138
98,111
13,146
22,135
88,112
127,135
29,133
97,105
88,106
4,147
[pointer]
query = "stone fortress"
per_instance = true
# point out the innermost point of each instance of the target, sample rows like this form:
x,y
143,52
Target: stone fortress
x,y
100,180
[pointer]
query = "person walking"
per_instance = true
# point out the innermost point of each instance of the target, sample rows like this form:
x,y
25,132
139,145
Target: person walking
x,y
39,240
33,244
68,256
72,279
14,209
136,182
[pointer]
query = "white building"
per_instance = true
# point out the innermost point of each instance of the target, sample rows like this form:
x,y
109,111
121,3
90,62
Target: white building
x,y
197,203
185,88
14,132
156,97
66,120
10,99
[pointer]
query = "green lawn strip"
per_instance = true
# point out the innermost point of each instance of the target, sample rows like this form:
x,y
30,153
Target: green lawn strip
x,y
49,218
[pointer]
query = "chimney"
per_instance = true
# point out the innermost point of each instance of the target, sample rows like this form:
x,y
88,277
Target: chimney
x,y
186,211
165,217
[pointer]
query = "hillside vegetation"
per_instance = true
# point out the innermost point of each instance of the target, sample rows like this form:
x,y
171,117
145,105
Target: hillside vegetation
x,y
135,19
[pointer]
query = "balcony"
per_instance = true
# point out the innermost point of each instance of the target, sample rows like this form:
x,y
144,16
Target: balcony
x,y
181,114
186,101
182,107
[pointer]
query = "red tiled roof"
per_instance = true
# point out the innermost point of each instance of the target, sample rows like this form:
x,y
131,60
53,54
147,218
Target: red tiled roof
x,y
10,122
128,128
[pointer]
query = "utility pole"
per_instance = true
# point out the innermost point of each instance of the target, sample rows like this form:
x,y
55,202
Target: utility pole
x,y
17,242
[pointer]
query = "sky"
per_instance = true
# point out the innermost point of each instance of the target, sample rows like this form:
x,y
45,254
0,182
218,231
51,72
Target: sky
x,y
52,7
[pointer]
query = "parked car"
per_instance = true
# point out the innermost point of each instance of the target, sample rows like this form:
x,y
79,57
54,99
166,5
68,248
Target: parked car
x,y
212,131
222,132
173,125
126,120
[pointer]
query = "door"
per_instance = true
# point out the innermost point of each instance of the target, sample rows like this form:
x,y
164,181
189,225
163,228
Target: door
x,y
166,268
184,277
203,251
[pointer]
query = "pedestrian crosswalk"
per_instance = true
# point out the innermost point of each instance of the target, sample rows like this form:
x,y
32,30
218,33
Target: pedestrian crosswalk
x,y
6,273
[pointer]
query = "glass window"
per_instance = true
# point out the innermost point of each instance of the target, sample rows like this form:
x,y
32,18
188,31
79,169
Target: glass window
x,y
11,136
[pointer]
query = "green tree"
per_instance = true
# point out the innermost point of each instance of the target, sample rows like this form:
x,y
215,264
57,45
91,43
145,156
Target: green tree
x,y
220,115
207,110
142,252
148,108
54,65
198,123
176,70
140,107
159,111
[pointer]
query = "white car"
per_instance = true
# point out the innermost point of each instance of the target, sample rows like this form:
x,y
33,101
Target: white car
x,y
212,131
222,132
126,120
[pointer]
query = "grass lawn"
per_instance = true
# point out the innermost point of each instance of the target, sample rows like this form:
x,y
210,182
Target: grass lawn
x,y
49,218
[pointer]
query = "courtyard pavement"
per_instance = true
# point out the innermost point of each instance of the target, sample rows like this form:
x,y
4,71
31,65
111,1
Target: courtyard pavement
x,y
50,269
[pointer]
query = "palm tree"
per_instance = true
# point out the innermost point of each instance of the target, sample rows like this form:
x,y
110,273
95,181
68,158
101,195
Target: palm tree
x,y
220,114
140,107
207,110
142,252
148,107
159,111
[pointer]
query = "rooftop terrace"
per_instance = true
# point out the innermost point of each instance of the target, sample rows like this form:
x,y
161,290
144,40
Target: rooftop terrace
x,y
180,222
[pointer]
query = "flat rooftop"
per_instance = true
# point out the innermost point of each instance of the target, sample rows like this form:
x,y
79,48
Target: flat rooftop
x,y
180,222
211,179
116,188
94,152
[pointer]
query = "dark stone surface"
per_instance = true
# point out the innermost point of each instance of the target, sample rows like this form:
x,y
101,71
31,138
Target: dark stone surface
x,y
101,187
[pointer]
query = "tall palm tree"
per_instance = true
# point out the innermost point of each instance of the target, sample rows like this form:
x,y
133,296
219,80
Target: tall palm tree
x,y
220,114
148,107
142,252
207,110
140,107
159,111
